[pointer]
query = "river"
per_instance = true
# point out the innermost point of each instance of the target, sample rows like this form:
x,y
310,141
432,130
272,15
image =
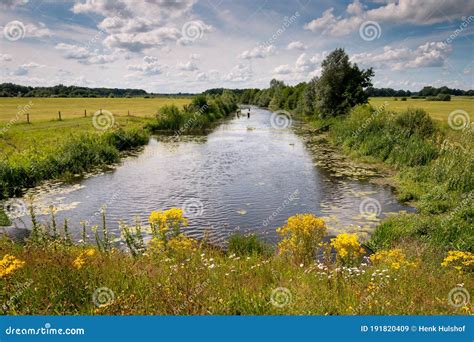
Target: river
x,y
247,175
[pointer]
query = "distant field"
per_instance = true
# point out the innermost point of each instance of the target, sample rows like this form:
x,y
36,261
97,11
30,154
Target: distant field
x,y
439,110
45,109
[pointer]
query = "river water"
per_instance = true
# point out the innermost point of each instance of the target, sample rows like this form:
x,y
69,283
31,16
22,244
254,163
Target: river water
x,y
247,175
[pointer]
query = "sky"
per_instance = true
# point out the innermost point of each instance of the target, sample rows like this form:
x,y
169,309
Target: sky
x,y
166,46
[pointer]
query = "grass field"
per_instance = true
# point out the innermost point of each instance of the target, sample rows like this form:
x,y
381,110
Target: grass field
x,y
43,109
439,110
45,132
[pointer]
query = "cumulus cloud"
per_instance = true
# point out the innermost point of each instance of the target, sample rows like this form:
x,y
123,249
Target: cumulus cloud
x,y
417,12
283,69
140,25
201,76
12,3
149,67
5,57
25,69
40,31
137,42
297,45
239,73
258,52
188,66
431,54
84,56
305,67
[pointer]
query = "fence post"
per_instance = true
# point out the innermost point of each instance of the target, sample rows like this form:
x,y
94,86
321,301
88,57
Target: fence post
x,y
85,113
128,113
27,117
59,115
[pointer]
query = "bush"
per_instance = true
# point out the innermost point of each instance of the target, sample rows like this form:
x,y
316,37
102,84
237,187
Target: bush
x,y
415,121
439,97
403,99
302,236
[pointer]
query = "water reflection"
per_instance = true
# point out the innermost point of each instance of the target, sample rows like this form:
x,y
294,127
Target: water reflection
x,y
245,176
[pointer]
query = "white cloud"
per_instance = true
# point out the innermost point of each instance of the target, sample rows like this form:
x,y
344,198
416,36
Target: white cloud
x,y
189,66
12,3
201,76
304,63
258,52
283,69
304,68
25,69
5,57
297,45
40,31
431,54
239,73
84,56
140,25
417,12
142,40
149,67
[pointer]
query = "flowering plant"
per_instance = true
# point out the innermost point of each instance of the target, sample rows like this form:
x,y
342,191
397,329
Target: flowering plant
x,y
302,235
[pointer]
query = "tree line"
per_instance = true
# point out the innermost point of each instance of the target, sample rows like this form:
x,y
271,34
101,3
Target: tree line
x,y
15,90
341,86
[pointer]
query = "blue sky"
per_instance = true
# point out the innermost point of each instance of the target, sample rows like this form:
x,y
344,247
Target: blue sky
x,y
190,46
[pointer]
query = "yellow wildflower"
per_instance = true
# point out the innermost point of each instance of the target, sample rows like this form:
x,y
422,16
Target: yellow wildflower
x,y
302,235
9,264
182,244
461,261
163,221
80,261
394,258
347,247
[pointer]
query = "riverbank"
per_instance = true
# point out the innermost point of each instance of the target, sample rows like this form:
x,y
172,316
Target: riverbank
x,y
158,270
35,152
433,171
172,274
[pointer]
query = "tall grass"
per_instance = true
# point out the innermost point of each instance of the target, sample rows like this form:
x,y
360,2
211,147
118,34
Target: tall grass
x,y
435,171
77,155
200,114
184,278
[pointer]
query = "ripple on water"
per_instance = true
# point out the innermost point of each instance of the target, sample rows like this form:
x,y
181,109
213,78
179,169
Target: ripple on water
x,y
242,177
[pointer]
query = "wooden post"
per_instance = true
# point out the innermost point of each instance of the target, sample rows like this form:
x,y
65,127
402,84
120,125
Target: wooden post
x,y
128,113
27,117
101,111
59,115
85,113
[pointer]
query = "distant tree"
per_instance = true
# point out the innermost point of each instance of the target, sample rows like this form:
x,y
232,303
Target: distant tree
x,y
307,98
341,85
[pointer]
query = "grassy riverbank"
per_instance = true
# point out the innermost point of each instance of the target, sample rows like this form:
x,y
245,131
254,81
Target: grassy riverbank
x,y
31,153
46,109
173,274
438,110
434,171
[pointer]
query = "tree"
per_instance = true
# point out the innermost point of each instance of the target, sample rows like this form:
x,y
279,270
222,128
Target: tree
x,y
341,85
306,101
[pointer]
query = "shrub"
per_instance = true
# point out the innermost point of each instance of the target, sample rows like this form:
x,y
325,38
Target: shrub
x,y
348,248
415,121
403,99
302,236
